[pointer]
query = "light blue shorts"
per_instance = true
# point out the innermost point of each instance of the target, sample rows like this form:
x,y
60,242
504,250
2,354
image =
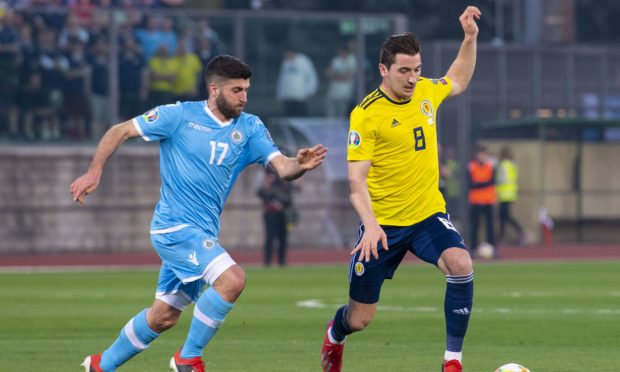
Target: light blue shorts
x,y
190,260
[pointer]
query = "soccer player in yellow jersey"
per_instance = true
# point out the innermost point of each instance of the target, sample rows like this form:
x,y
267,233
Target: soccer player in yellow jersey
x,y
393,179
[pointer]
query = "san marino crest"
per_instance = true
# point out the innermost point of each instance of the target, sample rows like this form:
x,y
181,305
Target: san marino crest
x,y
208,244
236,136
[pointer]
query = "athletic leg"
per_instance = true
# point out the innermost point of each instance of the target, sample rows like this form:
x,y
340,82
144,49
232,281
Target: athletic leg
x,y
475,221
488,215
138,333
282,235
503,218
211,309
456,264
269,235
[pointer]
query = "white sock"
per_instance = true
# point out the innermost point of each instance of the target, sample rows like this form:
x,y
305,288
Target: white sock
x,y
331,338
449,355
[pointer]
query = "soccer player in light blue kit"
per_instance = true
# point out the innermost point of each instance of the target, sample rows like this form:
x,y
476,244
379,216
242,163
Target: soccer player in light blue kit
x,y
203,147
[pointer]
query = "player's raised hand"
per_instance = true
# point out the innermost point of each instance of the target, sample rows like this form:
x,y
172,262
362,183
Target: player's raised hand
x,y
310,158
369,243
468,20
83,186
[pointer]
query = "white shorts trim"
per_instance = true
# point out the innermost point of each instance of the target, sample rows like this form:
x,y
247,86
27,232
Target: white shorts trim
x,y
170,229
214,269
177,299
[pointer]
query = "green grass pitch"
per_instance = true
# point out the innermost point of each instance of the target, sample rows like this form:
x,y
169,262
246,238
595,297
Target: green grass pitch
x,y
561,316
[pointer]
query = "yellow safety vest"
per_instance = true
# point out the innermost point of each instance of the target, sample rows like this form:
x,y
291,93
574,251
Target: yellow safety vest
x,y
507,181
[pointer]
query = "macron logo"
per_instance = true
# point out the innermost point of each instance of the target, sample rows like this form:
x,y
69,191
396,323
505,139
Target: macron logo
x,y
198,127
463,311
193,259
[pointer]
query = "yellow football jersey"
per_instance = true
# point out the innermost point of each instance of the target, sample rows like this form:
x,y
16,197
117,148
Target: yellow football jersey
x,y
400,138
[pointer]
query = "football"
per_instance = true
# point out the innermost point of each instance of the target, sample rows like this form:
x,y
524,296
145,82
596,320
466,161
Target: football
x,y
485,250
512,367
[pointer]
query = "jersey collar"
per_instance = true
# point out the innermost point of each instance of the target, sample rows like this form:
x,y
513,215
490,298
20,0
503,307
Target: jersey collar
x,y
215,118
391,100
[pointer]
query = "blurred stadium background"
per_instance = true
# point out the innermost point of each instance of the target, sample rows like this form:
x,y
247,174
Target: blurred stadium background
x,y
547,83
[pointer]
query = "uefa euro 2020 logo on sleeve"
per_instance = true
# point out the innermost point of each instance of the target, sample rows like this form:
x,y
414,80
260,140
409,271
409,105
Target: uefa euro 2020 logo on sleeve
x,y
151,116
354,139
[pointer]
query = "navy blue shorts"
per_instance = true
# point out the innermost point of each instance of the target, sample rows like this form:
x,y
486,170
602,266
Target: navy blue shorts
x,y
426,239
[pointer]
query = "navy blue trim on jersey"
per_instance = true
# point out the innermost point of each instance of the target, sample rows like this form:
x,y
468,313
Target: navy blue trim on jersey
x,y
375,95
391,100
426,239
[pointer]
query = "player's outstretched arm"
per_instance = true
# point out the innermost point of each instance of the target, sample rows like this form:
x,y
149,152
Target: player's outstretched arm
x,y
360,198
108,144
292,168
462,69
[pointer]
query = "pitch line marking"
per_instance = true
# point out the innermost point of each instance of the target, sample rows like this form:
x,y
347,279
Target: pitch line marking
x,y
319,304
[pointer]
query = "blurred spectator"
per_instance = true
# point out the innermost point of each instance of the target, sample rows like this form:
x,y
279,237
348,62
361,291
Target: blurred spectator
x,y
205,31
206,51
36,113
163,73
444,171
188,40
452,184
74,30
127,13
482,195
277,197
49,64
27,59
297,82
9,54
54,15
507,189
75,96
169,37
150,38
84,11
132,69
341,75
189,69
99,96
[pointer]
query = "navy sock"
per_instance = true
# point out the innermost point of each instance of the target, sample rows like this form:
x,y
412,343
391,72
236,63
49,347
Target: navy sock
x,y
457,308
341,328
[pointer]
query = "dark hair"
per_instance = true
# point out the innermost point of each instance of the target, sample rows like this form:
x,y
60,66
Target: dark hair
x,y
227,67
406,43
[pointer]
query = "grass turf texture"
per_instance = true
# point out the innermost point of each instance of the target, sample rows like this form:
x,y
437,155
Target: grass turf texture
x,y
546,316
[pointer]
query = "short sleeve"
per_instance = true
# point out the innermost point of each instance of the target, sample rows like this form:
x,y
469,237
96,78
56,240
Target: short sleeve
x,y
159,123
442,87
361,139
261,146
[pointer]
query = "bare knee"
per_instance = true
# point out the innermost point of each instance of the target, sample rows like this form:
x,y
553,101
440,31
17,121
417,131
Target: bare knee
x,y
359,315
230,284
162,316
455,261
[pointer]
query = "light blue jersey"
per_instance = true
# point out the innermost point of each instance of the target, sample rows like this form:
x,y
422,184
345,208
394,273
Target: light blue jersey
x,y
200,158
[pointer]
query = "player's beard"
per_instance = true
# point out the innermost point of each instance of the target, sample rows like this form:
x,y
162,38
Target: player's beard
x,y
227,109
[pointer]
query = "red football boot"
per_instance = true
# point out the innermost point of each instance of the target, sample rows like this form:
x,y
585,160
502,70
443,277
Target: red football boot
x,y
91,363
451,366
331,354
178,364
